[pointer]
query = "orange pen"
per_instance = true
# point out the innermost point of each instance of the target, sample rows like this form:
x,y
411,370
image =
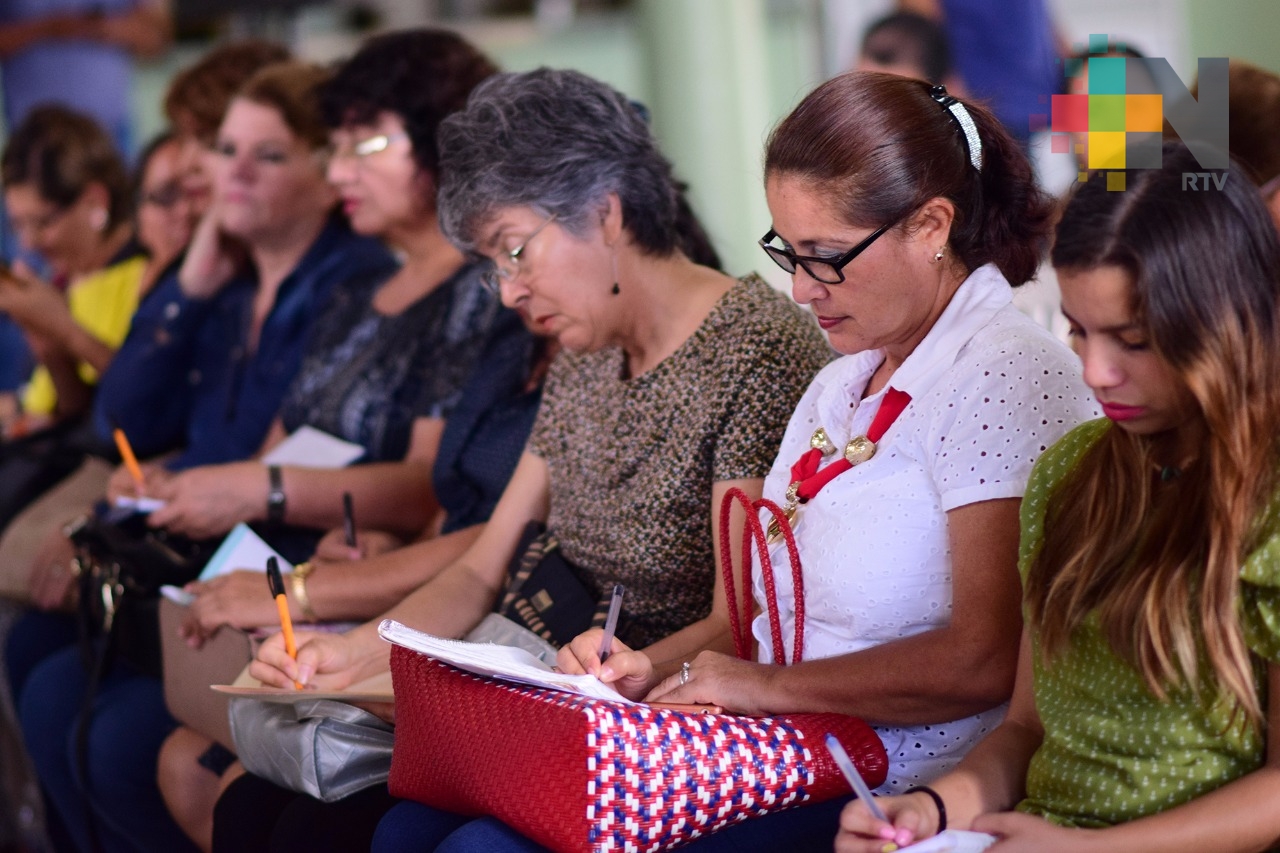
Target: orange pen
x,y
130,461
286,623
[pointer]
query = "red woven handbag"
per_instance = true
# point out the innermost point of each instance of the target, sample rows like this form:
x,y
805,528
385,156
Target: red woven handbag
x,y
580,774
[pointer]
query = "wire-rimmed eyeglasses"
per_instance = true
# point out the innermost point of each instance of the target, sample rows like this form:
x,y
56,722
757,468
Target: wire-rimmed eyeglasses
x,y
509,265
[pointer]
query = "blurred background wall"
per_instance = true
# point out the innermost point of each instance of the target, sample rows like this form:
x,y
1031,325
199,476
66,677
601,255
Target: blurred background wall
x,y
716,74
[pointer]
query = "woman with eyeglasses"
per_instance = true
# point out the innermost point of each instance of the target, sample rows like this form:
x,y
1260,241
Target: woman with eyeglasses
x,y
385,362
674,384
904,217
389,368
1144,713
208,359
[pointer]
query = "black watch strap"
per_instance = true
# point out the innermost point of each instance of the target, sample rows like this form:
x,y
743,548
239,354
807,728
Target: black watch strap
x,y
275,495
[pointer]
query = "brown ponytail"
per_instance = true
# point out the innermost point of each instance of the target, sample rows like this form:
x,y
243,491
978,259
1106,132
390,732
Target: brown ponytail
x,y
883,147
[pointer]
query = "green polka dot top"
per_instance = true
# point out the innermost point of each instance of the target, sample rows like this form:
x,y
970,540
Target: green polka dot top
x,y
1112,752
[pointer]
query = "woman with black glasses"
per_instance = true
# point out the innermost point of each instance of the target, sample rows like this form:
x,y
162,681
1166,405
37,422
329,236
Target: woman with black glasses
x,y
674,384
904,217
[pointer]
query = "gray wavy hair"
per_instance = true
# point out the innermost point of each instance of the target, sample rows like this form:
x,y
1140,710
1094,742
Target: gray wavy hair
x,y
558,142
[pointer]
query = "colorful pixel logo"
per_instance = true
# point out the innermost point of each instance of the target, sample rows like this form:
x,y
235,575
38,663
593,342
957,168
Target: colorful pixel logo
x,y
1116,118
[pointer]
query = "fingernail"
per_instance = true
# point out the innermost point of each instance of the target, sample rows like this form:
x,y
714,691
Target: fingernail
x,y
606,674
888,832
903,838
354,553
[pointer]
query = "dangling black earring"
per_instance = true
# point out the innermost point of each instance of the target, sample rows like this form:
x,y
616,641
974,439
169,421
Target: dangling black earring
x,y
616,290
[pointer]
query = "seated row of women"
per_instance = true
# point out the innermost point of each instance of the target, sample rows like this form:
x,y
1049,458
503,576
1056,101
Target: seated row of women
x,y
905,218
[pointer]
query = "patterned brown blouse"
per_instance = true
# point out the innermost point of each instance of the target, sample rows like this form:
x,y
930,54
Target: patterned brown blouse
x,y
632,462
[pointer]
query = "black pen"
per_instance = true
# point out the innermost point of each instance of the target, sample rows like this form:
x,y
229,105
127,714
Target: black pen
x,y
349,519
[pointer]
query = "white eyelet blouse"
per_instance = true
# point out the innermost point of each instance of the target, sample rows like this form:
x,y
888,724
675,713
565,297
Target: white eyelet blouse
x,y
990,391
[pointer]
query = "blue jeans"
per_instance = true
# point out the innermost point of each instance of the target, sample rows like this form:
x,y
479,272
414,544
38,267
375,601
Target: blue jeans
x,y
129,724
413,828
35,636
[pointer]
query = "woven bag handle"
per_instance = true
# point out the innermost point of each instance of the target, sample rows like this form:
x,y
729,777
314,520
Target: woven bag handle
x,y
753,532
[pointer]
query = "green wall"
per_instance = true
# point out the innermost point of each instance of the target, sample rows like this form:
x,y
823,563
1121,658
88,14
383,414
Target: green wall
x,y
1243,29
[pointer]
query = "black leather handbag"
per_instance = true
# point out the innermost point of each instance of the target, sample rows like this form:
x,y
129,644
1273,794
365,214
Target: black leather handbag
x,y
550,596
121,563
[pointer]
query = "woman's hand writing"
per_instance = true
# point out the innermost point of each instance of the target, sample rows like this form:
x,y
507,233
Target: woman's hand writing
x,y
628,671
912,817
333,546
210,500
325,661
122,484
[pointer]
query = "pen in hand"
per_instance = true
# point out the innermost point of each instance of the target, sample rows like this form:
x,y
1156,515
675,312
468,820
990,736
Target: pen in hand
x,y
126,454
276,583
853,777
349,519
611,621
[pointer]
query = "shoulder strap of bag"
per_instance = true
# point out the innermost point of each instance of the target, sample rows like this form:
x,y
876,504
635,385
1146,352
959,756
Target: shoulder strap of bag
x,y
753,533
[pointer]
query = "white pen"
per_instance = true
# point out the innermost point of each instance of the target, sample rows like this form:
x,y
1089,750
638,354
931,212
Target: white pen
x,y
611,621
853,777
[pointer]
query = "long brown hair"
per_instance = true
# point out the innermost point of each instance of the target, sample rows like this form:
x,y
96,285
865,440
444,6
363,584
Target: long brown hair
x,y
1161,566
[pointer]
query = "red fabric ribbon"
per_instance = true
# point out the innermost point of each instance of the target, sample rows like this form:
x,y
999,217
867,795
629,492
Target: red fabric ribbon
x,y
805,471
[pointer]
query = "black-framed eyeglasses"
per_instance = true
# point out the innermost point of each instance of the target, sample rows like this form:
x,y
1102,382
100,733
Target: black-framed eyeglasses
x,y
825,270
509,267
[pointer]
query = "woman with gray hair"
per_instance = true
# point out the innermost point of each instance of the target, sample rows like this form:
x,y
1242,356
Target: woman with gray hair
x,y
654,410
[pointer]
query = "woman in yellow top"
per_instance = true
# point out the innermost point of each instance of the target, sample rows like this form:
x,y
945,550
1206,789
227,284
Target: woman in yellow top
x,y
70,201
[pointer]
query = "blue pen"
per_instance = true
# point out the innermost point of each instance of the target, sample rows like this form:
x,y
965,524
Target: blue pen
x,y
853,777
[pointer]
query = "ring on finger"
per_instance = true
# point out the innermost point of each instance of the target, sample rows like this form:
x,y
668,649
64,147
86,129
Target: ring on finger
x,y
684,673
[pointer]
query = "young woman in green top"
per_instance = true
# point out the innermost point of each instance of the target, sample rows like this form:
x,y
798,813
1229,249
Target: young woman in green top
x,y
1150,550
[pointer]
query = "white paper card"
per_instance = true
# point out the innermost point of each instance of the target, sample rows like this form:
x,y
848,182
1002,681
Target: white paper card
x,y
308,447
177,595
140,504
954,841
242,549
505,662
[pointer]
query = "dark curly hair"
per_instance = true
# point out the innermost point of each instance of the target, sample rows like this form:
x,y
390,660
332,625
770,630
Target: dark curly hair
x,y
421,75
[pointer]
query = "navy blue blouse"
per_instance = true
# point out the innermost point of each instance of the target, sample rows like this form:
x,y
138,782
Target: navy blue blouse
x,y
184,377
486,433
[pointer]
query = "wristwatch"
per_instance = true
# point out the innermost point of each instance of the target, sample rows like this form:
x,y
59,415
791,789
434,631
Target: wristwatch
x,y
275,495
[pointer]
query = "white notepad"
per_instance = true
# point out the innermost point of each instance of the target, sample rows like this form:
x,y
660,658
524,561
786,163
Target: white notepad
x,y
308,447
241,549
505,662
954,841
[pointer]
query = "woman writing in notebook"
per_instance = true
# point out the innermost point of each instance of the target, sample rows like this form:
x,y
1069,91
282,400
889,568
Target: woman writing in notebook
x,y
902,233
1144,715
652,411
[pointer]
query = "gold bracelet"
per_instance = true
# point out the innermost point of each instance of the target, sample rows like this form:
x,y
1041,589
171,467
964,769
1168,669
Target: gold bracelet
x,y
298,580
